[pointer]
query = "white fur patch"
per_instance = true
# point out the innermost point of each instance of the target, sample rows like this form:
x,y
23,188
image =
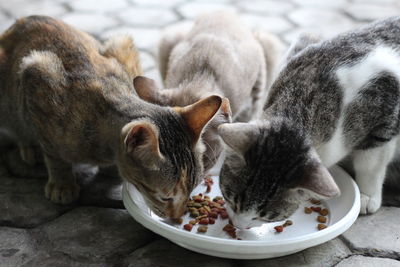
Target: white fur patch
x,y
352,78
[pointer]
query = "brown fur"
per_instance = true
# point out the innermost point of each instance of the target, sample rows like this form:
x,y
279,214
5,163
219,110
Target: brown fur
x,y
64,91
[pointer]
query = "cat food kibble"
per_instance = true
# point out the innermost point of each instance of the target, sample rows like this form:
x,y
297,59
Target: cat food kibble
x,y
206,211
321,219
202,229
188,227
316,209
315,201
324,212
287,223
279,228
307,210
321,226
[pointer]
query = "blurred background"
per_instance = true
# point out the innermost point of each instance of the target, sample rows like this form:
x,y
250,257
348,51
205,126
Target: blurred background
x,y
144,20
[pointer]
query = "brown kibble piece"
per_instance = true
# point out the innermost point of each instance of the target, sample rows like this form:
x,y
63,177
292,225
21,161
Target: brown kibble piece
x,y
287,223
315,201
188,227
193,222
307,210
204,221
321,219
324,212
316,209
211,220
213,215
202,229
228,228
321,226
278,228
224,215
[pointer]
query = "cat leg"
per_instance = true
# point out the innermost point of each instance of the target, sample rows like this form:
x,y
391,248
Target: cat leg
x,y
169,40
61,187
370,170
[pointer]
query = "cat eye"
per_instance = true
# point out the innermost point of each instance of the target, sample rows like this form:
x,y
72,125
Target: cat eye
x,y
167,199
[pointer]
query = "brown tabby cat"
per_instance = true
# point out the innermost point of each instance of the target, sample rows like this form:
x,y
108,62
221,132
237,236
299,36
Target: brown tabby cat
x,y
74,97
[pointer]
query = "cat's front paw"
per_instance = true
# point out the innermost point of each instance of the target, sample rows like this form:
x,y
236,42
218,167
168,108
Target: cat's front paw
x,y
370,204
62,193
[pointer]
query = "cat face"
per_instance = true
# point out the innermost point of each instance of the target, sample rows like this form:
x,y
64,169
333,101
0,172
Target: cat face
x,y
162,155
183,96
269,169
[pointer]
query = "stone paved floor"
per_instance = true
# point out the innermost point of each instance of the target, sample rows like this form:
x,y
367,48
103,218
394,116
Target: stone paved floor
x,y
97,231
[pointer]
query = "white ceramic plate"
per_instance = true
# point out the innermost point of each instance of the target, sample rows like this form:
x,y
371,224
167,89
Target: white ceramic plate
x,y
258,242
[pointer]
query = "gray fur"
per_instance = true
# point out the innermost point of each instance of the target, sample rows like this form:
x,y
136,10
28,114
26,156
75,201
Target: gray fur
x,y
310,107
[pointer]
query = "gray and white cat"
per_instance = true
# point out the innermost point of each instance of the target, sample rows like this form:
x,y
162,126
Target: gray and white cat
x,y
332,99
217,56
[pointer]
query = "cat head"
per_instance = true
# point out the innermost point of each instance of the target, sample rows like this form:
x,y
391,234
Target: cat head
x,y
269,169
162,155
148,91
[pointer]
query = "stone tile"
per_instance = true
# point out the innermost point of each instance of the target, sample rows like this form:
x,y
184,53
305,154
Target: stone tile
x,y
98,5
318,3
166,254
327,254
363,261
385,2
54,259
90,22
100,189
377,234
157,3
16,246
23,204
274,24
312,20
192,10
145,38
370,12
95,234
139,16
272,7
317,17
21,8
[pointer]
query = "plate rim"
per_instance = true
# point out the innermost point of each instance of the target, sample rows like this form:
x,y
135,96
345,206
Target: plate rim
x,y
172,233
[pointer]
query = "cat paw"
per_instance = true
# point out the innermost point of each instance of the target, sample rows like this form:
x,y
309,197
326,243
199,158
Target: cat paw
x,y
28,155
62,193
369,204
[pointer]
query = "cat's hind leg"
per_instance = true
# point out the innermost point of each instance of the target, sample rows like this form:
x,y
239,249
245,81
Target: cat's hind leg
x,y
370,171
61,187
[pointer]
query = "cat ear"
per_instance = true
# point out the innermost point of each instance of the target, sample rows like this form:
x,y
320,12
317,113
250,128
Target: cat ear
x,y
124,51
199,114
148,90
140,139
239,136
320,182
304,40
42,69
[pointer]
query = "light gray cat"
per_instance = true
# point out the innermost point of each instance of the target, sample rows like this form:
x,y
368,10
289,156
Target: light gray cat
x,y
332,99
217,56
